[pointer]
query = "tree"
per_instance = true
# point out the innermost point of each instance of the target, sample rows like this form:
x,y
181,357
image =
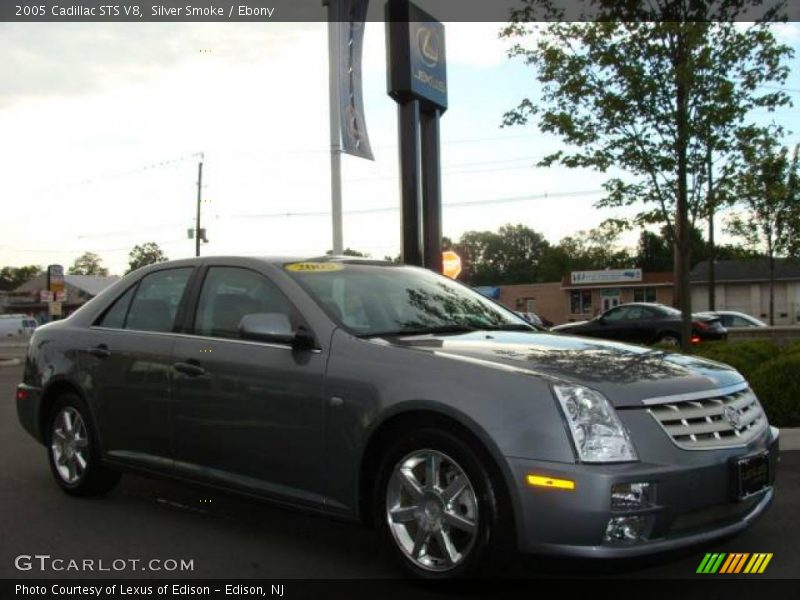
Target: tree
x,y
769,192
650,91
88,263
148,253
511,255
350,252
13,277
594,249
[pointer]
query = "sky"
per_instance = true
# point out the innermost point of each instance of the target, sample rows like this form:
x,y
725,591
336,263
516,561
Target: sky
x,y
103,124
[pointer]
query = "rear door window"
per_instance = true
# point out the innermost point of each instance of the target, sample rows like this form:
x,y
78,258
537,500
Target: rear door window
x,y
114,317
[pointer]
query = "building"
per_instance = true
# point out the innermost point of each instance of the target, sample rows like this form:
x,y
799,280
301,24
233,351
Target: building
x,y
32,297
582,295
743,285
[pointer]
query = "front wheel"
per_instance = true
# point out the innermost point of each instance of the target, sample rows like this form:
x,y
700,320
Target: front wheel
x,y
436,505
74,452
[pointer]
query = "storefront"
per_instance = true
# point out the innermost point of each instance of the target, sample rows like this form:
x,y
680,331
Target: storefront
x,y
590,293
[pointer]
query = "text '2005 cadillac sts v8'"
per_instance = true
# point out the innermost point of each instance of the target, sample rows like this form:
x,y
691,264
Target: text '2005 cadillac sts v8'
x,y
395,396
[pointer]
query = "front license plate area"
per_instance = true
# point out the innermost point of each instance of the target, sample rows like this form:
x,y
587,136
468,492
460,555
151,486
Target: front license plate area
x,y
751,474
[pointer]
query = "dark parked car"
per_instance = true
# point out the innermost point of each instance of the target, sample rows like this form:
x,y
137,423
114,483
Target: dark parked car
x,y
645,323
396,397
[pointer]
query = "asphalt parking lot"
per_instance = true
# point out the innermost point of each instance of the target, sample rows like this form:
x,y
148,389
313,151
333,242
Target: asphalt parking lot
x,y
230,537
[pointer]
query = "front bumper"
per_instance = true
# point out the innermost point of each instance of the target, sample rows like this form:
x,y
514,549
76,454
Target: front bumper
x,y
693,503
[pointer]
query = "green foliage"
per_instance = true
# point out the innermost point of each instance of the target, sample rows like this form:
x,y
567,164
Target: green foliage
x,y
772,371
149,253
648,95
88,263
350,252
777,384
745,357
768,186
13,277
517,254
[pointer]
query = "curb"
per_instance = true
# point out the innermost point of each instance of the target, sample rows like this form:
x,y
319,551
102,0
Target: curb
x,y
790,438
10,362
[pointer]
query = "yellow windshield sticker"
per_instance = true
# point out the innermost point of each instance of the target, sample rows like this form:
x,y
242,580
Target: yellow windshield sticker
x,y
314,267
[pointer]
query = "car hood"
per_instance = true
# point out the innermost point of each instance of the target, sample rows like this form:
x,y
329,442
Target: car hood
x,y
625,374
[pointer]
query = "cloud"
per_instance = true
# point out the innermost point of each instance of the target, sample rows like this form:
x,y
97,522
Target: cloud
x,y
45,60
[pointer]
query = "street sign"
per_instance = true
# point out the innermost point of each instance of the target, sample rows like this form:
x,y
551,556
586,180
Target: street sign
x,y
416,55
55,278
451,264
54,309
606,276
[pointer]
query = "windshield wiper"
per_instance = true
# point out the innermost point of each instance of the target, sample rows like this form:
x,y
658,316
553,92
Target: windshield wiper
x,y
453,328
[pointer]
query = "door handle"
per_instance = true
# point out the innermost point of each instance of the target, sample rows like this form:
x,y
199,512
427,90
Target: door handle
x,y
100,351
191,368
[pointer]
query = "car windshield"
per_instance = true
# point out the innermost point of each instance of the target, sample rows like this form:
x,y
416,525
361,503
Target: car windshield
x,y
372,300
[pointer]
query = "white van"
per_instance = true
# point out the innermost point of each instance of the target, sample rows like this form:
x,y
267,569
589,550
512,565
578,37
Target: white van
x,y
16,325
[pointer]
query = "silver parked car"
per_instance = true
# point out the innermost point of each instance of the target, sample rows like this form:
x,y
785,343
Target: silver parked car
x,y
732,318
397,397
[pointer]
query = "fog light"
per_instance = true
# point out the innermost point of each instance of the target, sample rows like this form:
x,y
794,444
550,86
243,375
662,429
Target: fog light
x,y
632,496
626,530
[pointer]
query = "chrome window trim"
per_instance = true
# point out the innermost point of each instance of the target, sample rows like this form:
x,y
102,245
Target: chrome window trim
x,y
210,338
715,393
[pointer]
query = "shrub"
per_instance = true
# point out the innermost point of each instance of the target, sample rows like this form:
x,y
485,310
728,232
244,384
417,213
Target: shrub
x,y
745,357
777,385
793,348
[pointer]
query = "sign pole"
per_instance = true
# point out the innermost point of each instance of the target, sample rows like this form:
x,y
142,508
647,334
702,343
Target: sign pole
x,y
411,220
431,192
335,132
417,81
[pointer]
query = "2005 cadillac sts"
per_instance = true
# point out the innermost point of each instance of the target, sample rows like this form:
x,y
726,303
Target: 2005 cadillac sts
x,y
392,395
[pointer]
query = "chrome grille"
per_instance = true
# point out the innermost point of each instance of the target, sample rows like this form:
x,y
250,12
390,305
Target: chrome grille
x,y
714,422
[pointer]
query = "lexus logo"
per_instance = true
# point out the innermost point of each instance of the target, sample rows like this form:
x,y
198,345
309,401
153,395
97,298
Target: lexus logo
x,y
733,416
428,44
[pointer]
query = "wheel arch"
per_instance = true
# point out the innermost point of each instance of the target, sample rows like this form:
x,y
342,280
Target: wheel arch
x,y
51,393
417,415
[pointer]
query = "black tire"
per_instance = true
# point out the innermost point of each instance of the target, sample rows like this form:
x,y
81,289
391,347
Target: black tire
x,y
491,538
93,479
669,338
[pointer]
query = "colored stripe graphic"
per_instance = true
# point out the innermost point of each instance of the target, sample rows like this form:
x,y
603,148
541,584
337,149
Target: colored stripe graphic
x,y
711,563
734,563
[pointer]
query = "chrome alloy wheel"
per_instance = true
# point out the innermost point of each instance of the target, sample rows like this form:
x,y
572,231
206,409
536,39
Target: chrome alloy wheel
x,y
432,510
69,445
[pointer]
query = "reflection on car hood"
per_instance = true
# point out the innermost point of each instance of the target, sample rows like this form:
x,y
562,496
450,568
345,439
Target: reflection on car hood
x,y
626,374
569,325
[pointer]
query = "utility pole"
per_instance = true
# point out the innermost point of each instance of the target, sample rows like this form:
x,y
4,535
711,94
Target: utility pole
x,y
712,250
197,233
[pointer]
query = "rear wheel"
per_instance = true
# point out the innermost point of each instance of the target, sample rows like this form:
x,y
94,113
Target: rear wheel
x,y
669,339
436,505
74,452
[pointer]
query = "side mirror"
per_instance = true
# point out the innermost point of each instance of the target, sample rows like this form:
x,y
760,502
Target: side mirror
x,y
601,320
274,328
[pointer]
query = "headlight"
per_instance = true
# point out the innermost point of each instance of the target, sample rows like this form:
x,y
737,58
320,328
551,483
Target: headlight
x,y
596,429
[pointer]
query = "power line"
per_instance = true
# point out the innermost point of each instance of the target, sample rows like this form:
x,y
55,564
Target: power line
x,y
459,204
